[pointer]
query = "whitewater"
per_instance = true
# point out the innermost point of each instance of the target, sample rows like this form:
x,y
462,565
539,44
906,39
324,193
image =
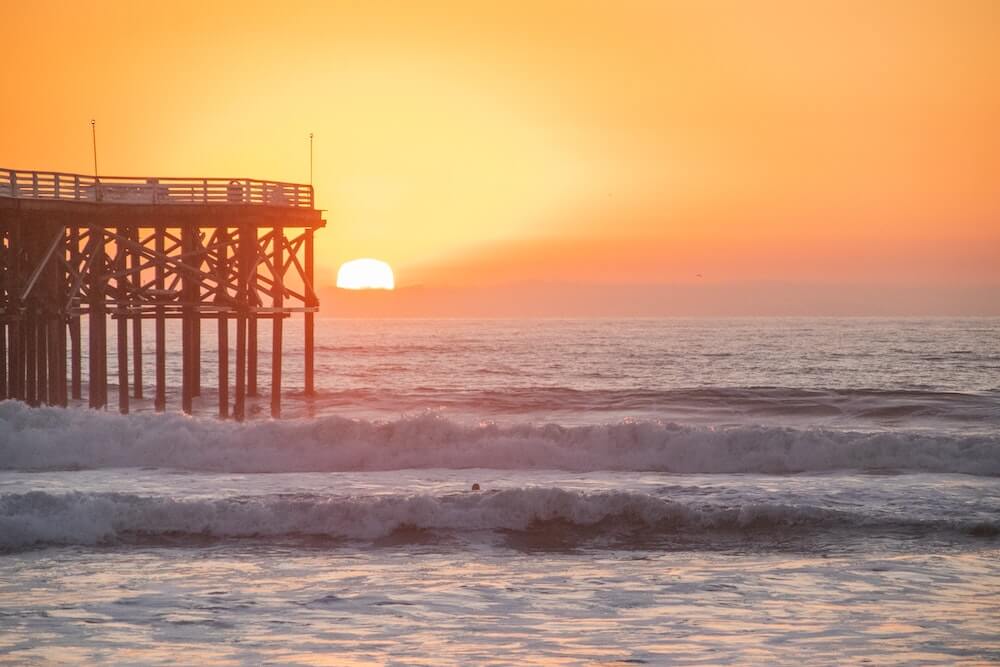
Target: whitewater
x,y
671,491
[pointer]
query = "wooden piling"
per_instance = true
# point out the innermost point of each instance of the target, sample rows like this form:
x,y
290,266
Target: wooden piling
x,y
253,299
239,407
42,361
122,321
245,257
15,363
61,366
187,322
160,333
123,405
97,328
278,296
309,323
136,280
4,392
76,356
31,361
222,275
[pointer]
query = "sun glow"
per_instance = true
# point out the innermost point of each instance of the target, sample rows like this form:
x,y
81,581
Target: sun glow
x,y
365,274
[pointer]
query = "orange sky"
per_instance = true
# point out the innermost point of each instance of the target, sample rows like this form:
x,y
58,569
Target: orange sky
x,y
478,143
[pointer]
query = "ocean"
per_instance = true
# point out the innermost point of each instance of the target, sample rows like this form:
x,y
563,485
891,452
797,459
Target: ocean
x,y
665,491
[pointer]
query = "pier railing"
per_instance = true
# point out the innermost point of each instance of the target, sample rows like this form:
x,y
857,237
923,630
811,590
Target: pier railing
x,y
51,185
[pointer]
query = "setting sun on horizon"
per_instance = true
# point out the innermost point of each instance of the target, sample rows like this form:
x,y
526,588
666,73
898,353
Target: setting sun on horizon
x,y
359,274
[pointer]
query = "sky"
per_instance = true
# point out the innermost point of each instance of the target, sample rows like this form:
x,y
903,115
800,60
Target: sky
x,y
760,145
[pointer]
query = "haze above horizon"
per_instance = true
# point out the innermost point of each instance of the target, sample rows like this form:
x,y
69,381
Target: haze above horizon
x,y
470,145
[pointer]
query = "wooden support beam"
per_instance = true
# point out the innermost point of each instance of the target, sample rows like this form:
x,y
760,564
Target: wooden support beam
x,y
123,399
41,361
160,393
252,299
222,267
97,327
277,323
309,324
122,329
195,354
17,361
136,260
239,407
60,329
31,359
252,352
5,257
4,391
187,328
76,358
244,259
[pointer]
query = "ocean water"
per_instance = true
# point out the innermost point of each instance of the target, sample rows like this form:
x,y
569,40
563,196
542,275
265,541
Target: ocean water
x,y
673,491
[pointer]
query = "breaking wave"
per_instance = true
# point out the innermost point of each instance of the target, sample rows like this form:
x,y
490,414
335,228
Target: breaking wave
x,y
58,439
868,405
39,518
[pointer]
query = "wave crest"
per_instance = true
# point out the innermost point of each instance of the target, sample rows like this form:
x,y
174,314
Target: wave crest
x,y
39,518
53,438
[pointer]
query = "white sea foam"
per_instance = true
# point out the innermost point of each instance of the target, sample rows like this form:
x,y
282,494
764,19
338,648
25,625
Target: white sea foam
x,y
53,438
37,517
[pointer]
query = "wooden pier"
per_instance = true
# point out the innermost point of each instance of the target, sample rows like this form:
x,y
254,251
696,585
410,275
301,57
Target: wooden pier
x,y
132,249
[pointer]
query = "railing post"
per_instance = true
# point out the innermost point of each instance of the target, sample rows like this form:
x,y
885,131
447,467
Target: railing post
x,y
76,186
56,191
34,184
13,183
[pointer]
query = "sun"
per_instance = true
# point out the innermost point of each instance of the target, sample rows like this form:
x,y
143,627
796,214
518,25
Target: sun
x,y
365,274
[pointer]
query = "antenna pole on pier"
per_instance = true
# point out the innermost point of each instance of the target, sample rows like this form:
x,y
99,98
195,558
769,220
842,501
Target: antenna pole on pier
x,y
310,159
93,140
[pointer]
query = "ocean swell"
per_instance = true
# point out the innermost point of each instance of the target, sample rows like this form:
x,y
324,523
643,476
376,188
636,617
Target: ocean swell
x,y
57,439
40,518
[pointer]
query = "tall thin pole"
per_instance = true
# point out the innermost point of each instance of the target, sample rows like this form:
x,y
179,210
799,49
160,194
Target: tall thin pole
x,y
93,138
310,159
